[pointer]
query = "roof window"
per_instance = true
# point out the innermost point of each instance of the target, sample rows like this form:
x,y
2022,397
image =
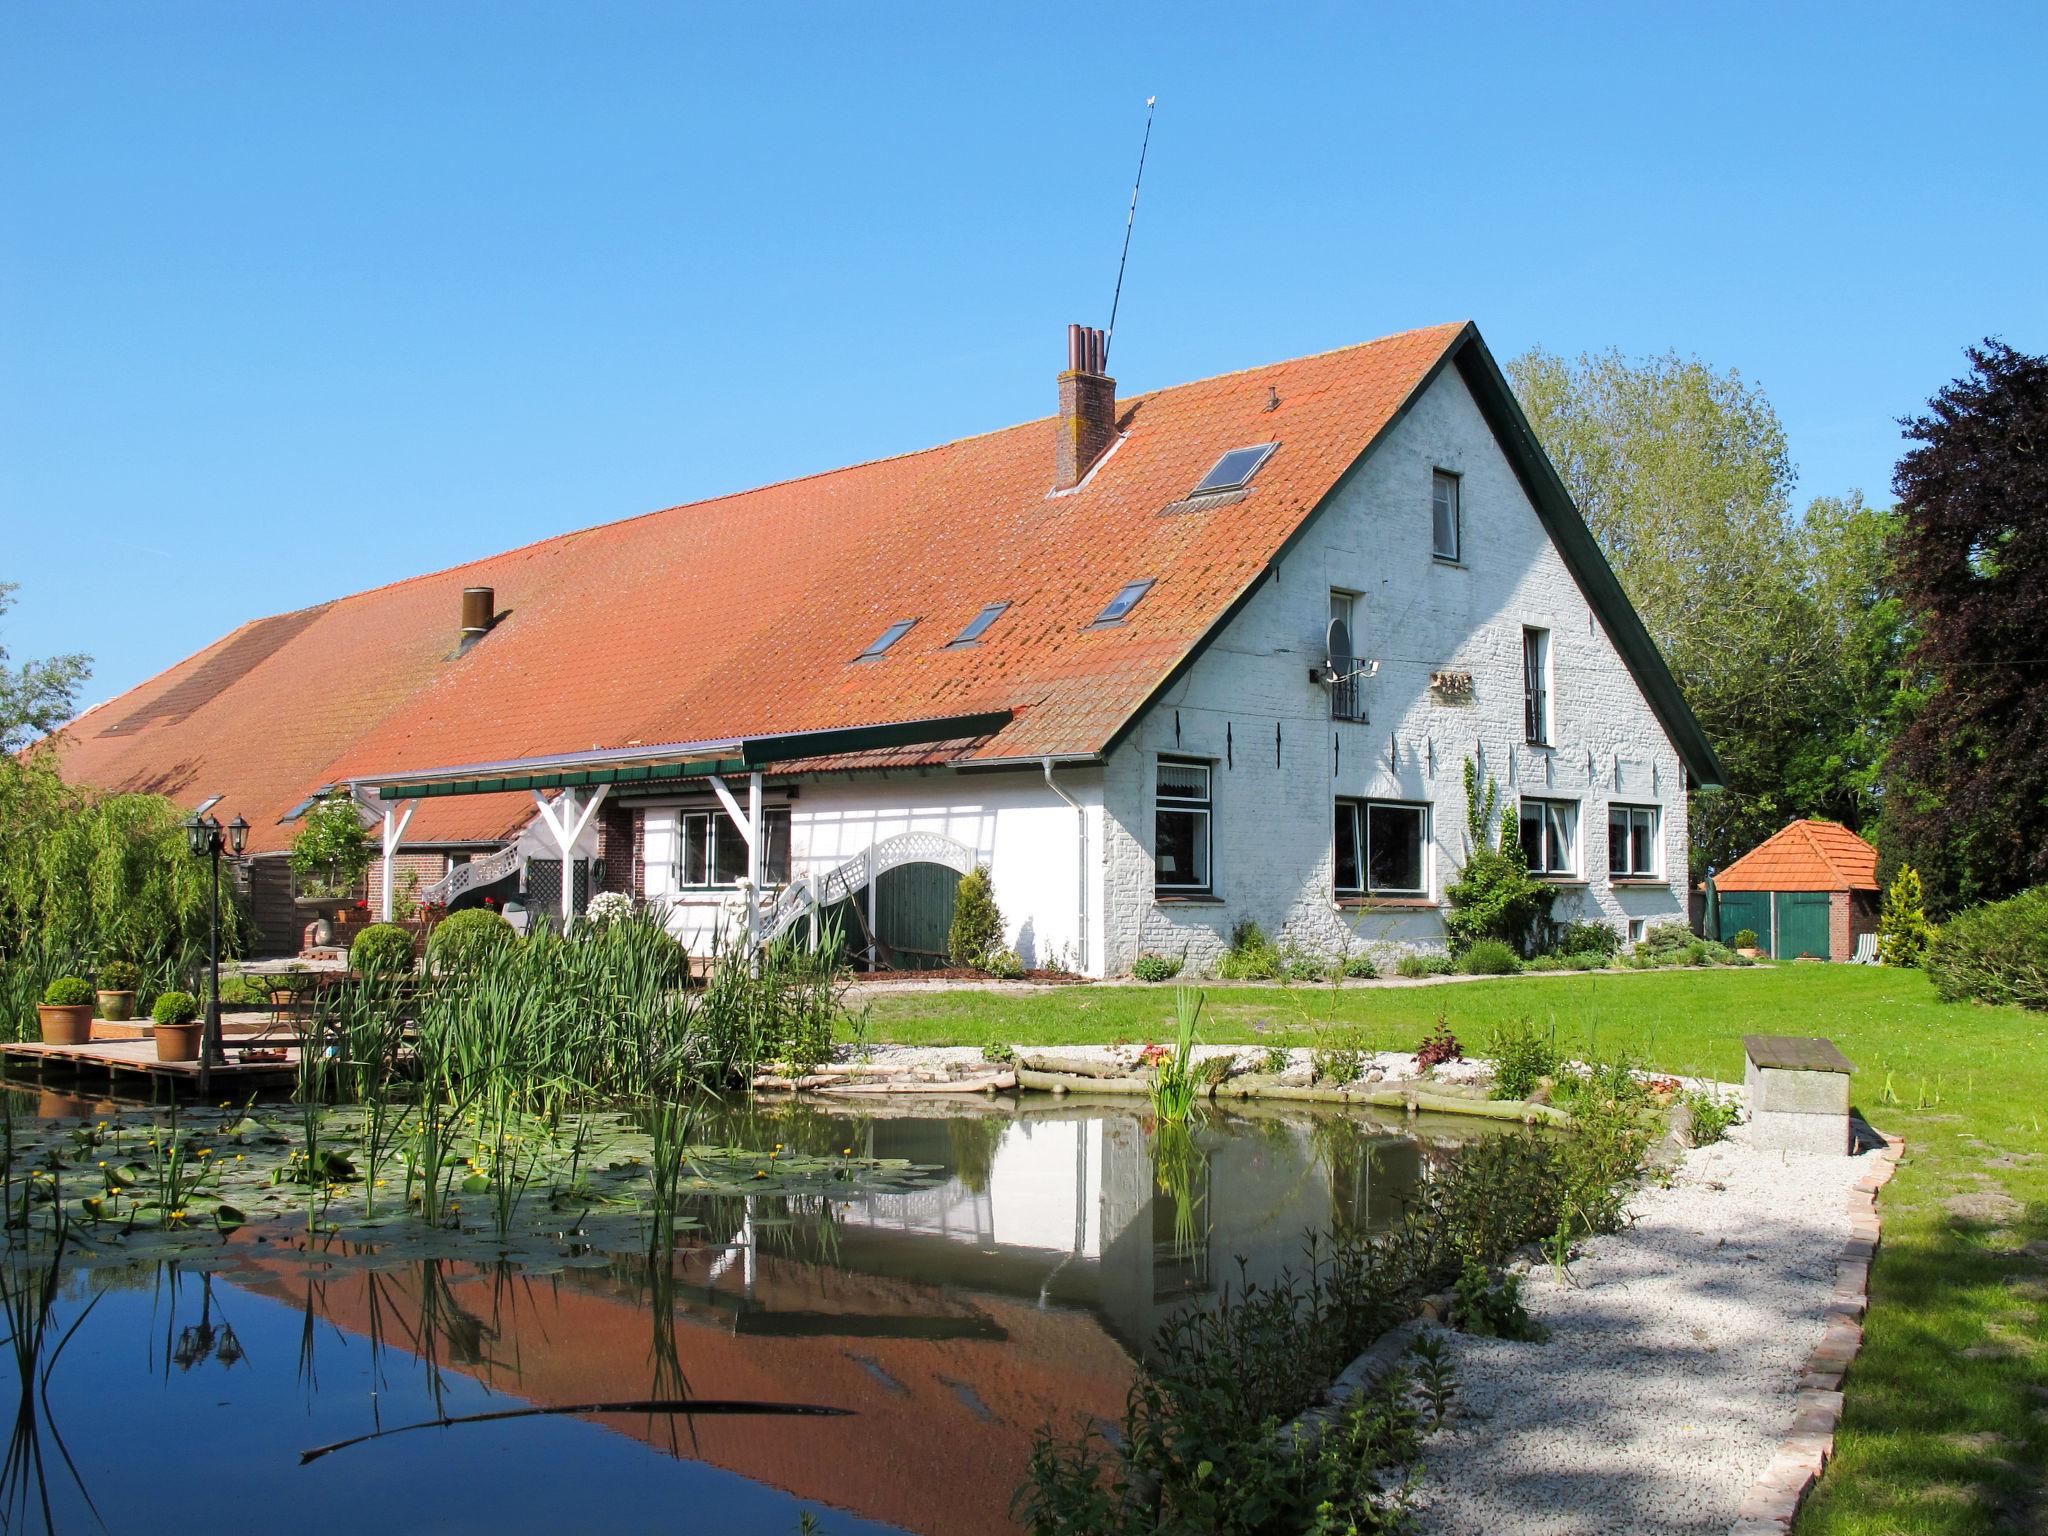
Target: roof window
x,y
1121,605
979,624
887,638
1234,470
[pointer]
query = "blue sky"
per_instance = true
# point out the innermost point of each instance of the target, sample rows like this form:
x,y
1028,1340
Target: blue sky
x,y
296,299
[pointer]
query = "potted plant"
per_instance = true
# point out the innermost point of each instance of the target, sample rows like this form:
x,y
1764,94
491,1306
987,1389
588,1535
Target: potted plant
x,y
331,853
66,1012
118,980
177,1027
1746,944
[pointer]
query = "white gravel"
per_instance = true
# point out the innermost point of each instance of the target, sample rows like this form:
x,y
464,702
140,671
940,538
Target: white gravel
x,y
1674,1352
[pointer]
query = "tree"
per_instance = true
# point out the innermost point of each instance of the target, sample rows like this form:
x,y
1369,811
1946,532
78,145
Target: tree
x,y
1683,475
39,696
1966,785
332,851
1902,931
977,930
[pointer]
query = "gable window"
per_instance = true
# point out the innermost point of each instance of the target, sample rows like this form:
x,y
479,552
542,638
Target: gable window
x,y
1121,605
1447,536
1536,686
887,638
1380,847
702,850
1632,841
1550,836
978,625
1181,831
1234,470
1347,699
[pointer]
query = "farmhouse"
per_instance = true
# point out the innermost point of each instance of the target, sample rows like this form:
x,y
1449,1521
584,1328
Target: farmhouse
x,y
1163,664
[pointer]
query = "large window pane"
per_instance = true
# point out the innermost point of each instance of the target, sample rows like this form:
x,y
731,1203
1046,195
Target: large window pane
x,y
696,854
1550,835
1394,847
729,851
1183,849
1632,841
1444,515
1347,848
1532,834
1617,840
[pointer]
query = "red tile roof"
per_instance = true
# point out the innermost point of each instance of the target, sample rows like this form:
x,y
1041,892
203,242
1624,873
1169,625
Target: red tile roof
x,y
1805,856
741,615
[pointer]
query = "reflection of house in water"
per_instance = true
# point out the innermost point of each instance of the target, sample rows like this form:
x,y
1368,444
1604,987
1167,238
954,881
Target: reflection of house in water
x,y
955,1320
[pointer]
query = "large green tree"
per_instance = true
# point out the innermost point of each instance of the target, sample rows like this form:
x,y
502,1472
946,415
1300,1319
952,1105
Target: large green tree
x,y
37,696
1966,786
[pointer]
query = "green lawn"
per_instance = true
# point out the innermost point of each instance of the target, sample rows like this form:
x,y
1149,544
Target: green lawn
x,y
1946,1428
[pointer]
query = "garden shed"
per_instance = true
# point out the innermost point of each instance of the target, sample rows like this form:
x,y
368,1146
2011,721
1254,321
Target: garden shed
x,y
1808,890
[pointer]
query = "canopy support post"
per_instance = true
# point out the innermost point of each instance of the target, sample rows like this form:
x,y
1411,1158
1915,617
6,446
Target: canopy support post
x,y
567,819
396,820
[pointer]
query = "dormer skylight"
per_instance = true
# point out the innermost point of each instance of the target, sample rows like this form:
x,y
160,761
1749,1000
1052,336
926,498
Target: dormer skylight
x,y
979,624
1234,470
887,638
1121,605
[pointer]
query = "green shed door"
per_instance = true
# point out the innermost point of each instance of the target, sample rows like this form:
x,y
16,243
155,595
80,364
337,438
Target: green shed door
x,y
1803,924
1745,909
914,913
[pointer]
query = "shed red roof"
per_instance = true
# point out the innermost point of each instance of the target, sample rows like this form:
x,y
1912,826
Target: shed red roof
x,y
1805,856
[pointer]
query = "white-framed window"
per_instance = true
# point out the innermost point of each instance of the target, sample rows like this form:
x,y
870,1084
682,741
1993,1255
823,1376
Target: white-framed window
x,y
1347,698
1182,834
1637,928
1632,842
1550,836
1382,848
1536,686
1445,516
701,850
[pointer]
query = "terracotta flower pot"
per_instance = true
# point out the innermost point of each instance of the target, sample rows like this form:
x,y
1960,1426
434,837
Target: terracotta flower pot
x,y
178,1042
65,1023
1750,954
117,1006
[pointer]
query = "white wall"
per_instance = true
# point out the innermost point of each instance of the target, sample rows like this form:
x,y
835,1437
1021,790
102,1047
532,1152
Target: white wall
x,y
1273,820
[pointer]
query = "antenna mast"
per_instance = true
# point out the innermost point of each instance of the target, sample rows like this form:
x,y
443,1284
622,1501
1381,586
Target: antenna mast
x,y
1129,219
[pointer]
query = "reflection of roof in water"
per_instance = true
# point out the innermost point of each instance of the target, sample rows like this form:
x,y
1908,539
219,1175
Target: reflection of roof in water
x,y
942,1427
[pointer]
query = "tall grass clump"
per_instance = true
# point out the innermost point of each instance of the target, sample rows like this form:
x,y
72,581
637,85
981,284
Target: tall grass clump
x,y
1173,1078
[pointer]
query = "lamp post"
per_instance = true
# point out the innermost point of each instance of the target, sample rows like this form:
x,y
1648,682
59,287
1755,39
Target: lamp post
x,y
204,835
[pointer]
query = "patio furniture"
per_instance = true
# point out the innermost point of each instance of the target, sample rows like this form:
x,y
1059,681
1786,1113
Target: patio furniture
x,y
1866,950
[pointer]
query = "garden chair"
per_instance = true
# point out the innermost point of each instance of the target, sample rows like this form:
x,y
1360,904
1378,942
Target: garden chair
x,y
1866,950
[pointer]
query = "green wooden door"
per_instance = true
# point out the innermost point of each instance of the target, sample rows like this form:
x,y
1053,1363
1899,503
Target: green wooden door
x,y
914,913
1745,909
1802,924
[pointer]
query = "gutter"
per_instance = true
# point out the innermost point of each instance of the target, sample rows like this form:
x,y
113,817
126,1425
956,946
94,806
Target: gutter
x,y
1081,861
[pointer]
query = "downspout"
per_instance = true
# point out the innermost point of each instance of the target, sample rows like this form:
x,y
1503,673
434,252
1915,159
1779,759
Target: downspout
x,y
1081,893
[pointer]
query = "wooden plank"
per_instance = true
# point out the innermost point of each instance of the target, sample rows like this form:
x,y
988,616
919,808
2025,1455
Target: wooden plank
x,y
1796,1053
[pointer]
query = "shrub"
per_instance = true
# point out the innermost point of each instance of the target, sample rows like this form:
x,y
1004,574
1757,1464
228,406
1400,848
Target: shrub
x,y
608,907
1588,939
1546,963
1710,1116
382,949
1522,1057
333,849
1488,1304
1902,929
1251,955
1995,953
1155,967
1416,966
1745,938
175,1008
1489,957
462,939
977,920
1666,939
120,976
1360,967
1585,960
1440,1047
1339,1063
1298,966
1276,1059
1494,896
1003,964
67,992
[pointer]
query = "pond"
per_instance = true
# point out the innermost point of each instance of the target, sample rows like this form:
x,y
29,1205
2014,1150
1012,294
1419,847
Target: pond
x,y
982,1270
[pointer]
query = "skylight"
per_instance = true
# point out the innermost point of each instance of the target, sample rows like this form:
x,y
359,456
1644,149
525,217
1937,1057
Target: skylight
x,y
979,624
887,638
1234,470
1121,605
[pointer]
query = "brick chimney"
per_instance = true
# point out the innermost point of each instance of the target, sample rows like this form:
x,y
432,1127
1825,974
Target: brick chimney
x,y
1087,407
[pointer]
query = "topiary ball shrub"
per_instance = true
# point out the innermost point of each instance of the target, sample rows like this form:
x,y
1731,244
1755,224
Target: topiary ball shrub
x,y
1996,953
67,992
1155,967
1745,938
1489,957
120,976
1361,968
463,939
1414,967
382,949
175,1008
977,921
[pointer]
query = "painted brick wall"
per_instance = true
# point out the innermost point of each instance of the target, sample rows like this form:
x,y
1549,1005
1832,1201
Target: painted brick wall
x,y
1274,796
429,867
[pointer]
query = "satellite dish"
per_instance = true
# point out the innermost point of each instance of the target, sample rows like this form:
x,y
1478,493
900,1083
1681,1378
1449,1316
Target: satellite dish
x,y
1338,642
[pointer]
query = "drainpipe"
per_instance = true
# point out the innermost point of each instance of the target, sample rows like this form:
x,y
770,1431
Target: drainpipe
x,y
1081,894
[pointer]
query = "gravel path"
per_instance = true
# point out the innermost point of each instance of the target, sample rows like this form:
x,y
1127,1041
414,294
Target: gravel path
x,y
1669,1374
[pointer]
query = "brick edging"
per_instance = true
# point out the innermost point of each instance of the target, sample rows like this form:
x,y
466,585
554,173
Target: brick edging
x,y
1773,1500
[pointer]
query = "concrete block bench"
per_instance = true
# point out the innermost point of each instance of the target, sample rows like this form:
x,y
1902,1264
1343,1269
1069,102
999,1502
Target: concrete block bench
x,y
1798,1093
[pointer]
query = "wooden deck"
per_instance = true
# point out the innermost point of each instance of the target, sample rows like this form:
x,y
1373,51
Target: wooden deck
x,y
134,1061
